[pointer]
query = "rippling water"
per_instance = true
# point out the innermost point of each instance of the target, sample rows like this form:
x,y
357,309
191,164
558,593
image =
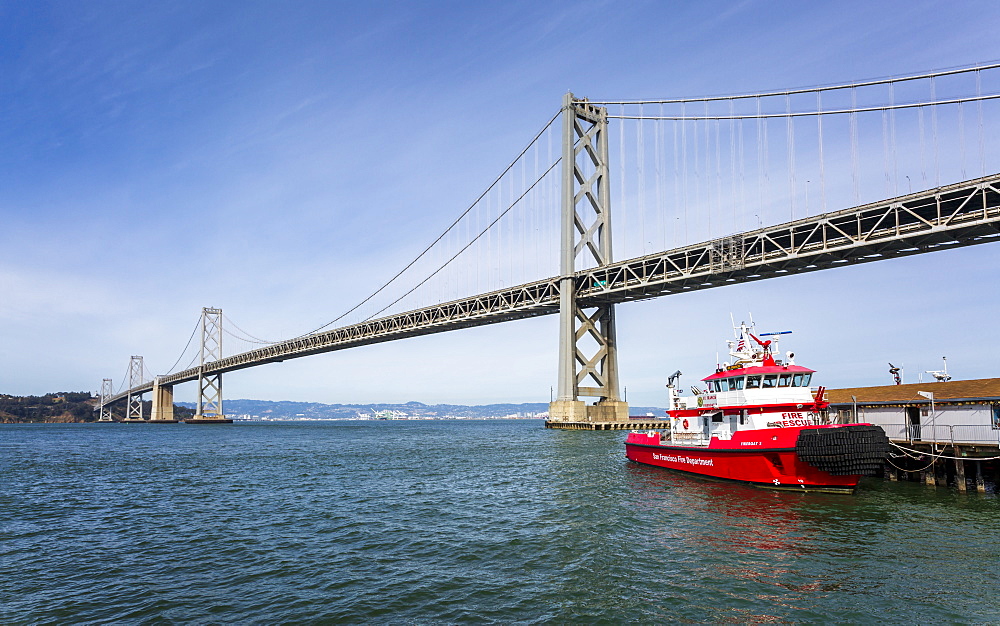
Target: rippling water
x,y
465,521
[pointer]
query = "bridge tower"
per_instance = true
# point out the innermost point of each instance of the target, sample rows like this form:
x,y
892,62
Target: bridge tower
x,y
588,351
107,390
133,412
210,385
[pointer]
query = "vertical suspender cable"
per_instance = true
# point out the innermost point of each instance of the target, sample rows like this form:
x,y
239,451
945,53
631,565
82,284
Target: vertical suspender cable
x,y
553,213
718,172
982,140
696,159
923,159
658,165
684,163
677,188
732,164
743,180
822,165
961,135
708,170
937,169
488,258
511,251
790,156
704,207
487,244
892,134
621,181
534,213
640,155
854,146
467,271
760,162
523,245
501,236
447,279
885,150
479,249
422,297
449,276
767,166
444,280
663,159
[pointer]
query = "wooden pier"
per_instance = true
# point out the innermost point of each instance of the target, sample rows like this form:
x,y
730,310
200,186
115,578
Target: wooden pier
x,y
947,465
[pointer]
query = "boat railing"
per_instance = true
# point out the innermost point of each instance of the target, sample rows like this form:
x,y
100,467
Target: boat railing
x,y
950,434
689,439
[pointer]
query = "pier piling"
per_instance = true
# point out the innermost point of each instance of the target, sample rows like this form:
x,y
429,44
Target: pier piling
x,y
960,472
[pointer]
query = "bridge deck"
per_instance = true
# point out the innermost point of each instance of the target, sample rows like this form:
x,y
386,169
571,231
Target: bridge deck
x,y
961,214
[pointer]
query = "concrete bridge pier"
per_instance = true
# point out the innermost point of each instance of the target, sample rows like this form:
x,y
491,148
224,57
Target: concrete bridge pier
x,y
163,404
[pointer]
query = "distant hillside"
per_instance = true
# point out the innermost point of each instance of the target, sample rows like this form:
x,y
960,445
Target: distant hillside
x,y
267,409
65,407
61,407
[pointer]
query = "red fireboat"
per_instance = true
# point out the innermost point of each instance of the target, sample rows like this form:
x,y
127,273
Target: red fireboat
x,y
758,421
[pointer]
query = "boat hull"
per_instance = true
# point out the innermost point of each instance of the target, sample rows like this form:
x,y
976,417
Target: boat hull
x,y
769,468
829,458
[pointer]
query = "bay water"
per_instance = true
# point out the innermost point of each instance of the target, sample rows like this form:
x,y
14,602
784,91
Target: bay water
x,y
456,522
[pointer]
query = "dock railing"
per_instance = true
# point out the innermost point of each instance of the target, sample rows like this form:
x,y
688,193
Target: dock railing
x,y
948,434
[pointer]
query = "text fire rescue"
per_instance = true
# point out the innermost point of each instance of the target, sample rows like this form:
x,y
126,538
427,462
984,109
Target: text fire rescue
x,y
793,419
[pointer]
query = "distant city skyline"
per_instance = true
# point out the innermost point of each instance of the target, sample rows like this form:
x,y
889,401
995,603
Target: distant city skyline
x,y
280,161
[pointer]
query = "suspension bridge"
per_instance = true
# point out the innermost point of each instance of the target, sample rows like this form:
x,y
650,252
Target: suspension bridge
x,y
709,192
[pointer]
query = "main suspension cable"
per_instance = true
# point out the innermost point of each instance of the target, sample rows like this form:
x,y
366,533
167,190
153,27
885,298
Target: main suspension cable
x,y
440,237
868,83
468,245
907,105
246,336
186,346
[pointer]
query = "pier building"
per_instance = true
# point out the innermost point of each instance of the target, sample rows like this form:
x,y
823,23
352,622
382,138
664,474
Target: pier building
x,y
945,432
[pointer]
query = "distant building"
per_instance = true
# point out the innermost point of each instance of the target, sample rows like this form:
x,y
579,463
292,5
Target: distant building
x,y
964,411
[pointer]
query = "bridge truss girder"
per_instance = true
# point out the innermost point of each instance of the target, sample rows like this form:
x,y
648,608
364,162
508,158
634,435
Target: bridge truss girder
x,y
948,217
962,214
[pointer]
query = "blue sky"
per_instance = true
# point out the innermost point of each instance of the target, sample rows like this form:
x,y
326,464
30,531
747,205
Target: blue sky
x,y
279,160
